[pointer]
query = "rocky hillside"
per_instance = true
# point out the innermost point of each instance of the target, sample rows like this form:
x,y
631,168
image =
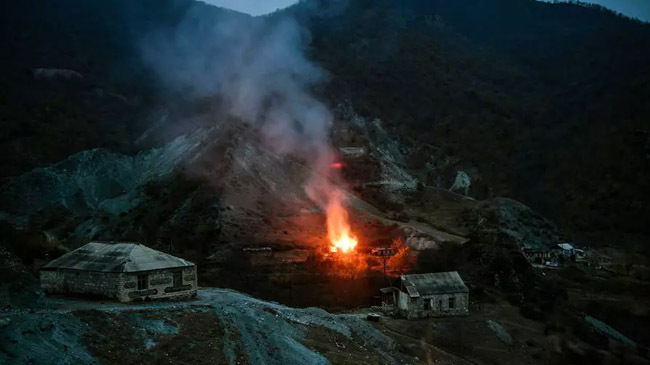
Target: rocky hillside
x,y
425,96
75,79
540,102
466,129
222,326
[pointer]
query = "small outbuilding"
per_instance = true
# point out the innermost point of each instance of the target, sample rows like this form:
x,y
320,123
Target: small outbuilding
x,y
121,271
565,249
432,295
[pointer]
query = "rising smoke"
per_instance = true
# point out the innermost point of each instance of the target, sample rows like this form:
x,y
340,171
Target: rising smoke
x,y
257,69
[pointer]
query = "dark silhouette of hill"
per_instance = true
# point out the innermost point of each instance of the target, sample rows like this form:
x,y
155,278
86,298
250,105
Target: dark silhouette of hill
x,y
46,119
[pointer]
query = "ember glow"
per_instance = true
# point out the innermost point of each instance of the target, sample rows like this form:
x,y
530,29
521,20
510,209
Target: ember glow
x,y
337,165
338,228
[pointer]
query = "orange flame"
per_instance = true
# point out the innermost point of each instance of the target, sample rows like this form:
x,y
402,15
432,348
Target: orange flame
x,y
338,229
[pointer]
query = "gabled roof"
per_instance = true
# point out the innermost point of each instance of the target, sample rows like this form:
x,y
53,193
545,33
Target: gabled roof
x,y
116,257
412,291
433,283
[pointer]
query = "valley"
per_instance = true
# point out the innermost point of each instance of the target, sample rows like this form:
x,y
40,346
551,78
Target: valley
x,y
307,159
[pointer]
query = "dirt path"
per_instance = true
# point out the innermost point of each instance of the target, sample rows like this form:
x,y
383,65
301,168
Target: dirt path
x,y
373,212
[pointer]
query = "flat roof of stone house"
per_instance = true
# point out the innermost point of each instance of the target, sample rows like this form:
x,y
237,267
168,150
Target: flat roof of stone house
x,y
116,258
433,283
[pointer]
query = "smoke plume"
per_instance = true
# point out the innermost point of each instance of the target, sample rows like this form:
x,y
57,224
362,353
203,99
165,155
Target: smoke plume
x,y
258,70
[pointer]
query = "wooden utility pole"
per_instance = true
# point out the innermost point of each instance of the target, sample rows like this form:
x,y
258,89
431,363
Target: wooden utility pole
x,y
385,253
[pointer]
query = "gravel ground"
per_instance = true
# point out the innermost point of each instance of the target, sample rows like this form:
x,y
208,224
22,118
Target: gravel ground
x,y
263,332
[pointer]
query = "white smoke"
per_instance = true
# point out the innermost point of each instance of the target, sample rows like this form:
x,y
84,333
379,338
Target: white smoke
x,y
255,65
257,69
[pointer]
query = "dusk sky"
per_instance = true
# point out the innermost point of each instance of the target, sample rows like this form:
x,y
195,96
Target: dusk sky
x,y
634,8
253,7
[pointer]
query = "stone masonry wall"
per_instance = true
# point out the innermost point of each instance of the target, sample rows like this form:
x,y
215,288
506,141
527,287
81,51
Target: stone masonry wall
x,y
436,305
441,308
81,282
120,286
160,285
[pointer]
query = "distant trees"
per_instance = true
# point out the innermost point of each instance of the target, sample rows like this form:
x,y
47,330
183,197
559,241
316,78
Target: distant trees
x,y
484,88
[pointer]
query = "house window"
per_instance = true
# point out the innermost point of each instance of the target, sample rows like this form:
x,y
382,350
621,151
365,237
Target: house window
x,y
178,279
452,302
143,282
427,305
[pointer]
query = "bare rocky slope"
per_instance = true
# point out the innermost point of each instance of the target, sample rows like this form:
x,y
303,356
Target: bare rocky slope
x,y
222,179
220,326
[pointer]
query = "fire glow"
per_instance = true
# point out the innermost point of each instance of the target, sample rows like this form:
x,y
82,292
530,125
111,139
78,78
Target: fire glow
x,y
338,228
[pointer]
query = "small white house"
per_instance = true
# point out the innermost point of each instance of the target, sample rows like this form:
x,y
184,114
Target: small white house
x,y
432,295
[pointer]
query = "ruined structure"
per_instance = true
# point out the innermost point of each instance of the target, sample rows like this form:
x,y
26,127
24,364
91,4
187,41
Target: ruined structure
x,y
535,255
120,271
56,74
432,295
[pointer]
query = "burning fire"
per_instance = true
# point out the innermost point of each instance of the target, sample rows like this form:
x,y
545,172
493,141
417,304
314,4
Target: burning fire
x,y
338,229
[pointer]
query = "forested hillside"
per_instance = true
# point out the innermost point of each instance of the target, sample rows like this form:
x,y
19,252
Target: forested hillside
x,y
544,101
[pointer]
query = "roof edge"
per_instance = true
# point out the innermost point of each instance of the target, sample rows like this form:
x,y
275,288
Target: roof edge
x,y
115,272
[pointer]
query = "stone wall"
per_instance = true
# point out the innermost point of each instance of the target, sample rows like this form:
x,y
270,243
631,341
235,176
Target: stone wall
x,y
120,286
160,285
81,282
402,301
439,305
433,305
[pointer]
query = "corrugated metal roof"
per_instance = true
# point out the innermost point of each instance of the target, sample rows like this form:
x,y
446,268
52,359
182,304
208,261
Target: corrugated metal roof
x,y
413,291
116,257
435,283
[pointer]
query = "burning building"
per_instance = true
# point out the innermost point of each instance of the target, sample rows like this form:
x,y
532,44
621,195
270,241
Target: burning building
x,y
431,295
122,271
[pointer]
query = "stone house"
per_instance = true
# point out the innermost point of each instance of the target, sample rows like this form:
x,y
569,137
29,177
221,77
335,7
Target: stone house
x,y
121,271
432,295
569,251
565,249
